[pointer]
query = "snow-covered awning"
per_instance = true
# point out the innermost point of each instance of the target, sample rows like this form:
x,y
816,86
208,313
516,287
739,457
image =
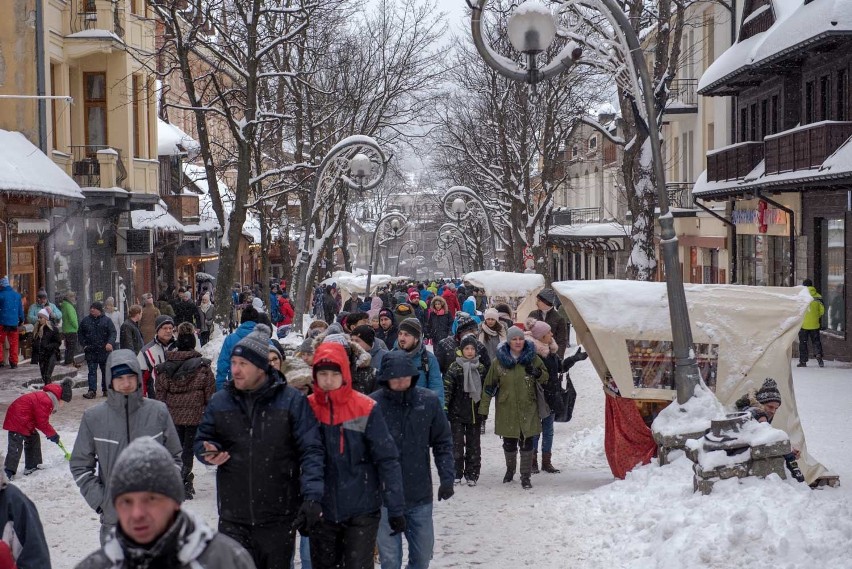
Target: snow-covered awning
x,y
172,141
505,284
586,230
159,219
32,225
24,169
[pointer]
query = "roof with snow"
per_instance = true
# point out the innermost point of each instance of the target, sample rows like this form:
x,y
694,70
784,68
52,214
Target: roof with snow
x,y
24,169
159,219
585,230
197,175
172,141
797,24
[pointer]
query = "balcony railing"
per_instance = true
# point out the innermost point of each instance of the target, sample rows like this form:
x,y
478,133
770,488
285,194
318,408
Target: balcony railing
x,y
680,195
733,162
683,94
96,15
86,167
804,147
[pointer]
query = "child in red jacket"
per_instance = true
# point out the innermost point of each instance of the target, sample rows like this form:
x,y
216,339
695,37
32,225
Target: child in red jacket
x,y
27,413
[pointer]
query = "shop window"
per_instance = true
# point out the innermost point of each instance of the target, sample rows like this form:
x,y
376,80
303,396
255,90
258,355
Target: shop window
x,y
830,270
763,260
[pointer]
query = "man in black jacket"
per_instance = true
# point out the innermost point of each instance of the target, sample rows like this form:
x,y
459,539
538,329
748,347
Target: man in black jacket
x,y
417,423
97,336
265,440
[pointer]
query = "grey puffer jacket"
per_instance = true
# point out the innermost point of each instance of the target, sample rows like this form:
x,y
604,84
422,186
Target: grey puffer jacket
x,y
107,428
189,543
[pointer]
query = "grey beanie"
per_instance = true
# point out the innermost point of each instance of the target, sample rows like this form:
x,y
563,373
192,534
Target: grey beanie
x,y
146,466
412,326
161,321
514,332
255,346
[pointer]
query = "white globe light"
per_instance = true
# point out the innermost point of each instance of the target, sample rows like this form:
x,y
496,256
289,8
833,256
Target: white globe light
x,y
395,224
532,27
459,206
360,166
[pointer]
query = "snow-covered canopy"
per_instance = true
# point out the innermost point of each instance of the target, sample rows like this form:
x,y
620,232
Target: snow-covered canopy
x,y
742,334
796,23
579,230
24,169
159,219
172,141
356,283
509,285
198,176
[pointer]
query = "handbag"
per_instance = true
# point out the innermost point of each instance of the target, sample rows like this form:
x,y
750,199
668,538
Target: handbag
x,y
541,402
569,399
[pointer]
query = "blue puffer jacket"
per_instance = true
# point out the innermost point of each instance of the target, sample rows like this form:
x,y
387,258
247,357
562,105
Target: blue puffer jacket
x,y
417,423
11,309
429,370
223,363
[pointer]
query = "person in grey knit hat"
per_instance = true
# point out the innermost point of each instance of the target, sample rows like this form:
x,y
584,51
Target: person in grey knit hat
x,y
254,347
153,531
409,340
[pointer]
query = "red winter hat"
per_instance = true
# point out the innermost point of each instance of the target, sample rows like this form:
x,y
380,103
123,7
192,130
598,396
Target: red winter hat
x,y
414,296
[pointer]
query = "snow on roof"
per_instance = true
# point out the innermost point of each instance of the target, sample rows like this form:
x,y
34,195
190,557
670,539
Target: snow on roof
x,y
26,169
159,219
95,34
198,176
499,283
581,230
172,141
795,24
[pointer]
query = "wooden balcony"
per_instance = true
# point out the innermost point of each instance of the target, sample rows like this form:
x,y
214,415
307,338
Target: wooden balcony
x,y
804,147
733,162
184,207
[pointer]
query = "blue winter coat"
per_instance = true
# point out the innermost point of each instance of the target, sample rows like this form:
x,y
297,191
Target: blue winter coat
x,y
417,422
11,309
223,364
430,374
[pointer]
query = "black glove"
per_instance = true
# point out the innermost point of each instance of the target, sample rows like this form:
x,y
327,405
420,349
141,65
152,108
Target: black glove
x,y
309,516
445,491
533,372
53,439
397,524
580,354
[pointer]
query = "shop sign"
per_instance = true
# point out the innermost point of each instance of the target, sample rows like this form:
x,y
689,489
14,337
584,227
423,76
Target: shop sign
x,y
770,216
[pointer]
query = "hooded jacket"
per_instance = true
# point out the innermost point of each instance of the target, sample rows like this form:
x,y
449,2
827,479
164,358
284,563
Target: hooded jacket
x,y
362,470
95,333
188,541
23,533
275,447
185,383
452,301
223,363
813,315
32,411
108,427
438,325
429,371
417,423
11,309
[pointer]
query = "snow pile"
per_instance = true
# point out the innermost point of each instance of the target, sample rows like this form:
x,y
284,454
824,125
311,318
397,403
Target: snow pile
x,y
26,169
213,347
752,433
583,449
159,219
172,141
694,416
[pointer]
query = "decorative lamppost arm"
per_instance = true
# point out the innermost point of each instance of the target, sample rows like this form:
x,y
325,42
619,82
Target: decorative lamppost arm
x,y
397,226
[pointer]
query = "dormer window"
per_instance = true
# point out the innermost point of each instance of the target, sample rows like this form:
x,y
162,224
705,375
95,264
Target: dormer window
x,y
593,143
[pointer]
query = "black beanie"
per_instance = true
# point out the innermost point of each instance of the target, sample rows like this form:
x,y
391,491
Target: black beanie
x,y
366,333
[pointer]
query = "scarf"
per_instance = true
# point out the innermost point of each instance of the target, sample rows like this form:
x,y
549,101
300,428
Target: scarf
x,y
472,379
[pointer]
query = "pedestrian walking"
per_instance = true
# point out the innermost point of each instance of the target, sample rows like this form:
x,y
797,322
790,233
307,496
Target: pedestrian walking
x,y
185,309
811,325
248,320
438,320
206,314
130,335
114,315
365,337
185,383
514,374
27,415
147,324
98,337
154,352
70,326
445,350
265,441
410,341
153,530
362,471
11,317
388,330
545,302
45,345
463,391
107,428
418,425
492,332
540,334
23,544
42,302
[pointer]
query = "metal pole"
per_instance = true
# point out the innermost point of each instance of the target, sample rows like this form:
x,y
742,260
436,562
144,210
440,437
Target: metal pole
x,y
372,258
687,375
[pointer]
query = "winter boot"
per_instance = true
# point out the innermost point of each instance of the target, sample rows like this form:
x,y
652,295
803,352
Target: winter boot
x,y
189,487
511,465
820,362
90,395
535,469
802,364
546,465
526,469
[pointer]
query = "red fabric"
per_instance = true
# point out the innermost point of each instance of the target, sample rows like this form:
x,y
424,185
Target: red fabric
x,y
13,344
32,411
7,560
627,439
343,404
452,301
286,310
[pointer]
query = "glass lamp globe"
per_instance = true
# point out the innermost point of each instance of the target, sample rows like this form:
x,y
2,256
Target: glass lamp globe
x,y
531,27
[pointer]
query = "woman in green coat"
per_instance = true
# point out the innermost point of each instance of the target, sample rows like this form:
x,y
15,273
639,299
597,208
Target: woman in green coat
x,y
511,381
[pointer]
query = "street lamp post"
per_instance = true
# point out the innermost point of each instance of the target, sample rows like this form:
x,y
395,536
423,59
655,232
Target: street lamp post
x,y
391,226
449,234
531,30
411,247
460,204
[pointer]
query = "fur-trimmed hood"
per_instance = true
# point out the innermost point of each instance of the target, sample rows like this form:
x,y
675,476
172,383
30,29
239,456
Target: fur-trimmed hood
x,y
504,355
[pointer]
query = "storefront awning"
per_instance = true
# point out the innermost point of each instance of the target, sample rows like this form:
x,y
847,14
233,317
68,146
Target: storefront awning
x,y
32,225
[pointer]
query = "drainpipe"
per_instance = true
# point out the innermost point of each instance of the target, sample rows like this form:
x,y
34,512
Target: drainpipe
x,y
733,227
792,217
41,89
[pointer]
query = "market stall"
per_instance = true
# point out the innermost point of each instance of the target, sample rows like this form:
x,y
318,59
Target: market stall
x,y
499,285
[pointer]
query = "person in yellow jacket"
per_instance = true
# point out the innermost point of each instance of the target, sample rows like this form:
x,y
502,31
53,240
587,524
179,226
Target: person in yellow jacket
x,y
811,326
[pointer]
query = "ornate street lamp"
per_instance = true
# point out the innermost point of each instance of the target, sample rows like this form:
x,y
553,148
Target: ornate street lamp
x,y
531,29
391,226
411,247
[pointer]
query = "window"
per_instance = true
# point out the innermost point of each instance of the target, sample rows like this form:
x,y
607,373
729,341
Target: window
x,y
710,39
809,102
824,98
773,118
840,90
575,151
753,126
593,143
763,260
830,269
138,143
95,111
743,124
764,118
711,137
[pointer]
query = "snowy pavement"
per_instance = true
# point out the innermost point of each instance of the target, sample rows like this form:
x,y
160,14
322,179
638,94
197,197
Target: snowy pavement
x,y
582,517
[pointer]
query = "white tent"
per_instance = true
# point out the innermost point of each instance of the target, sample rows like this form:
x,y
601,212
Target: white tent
x,y
356,283
742,335
509,285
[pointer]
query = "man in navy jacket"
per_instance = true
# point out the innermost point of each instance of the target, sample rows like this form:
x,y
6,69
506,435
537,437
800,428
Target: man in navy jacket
x,y
417,423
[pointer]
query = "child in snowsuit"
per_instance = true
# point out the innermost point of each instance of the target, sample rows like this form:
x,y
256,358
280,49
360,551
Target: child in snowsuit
x,y
27,413
462,392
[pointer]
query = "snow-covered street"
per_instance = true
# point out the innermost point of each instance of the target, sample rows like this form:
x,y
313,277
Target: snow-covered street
x,y
582,517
